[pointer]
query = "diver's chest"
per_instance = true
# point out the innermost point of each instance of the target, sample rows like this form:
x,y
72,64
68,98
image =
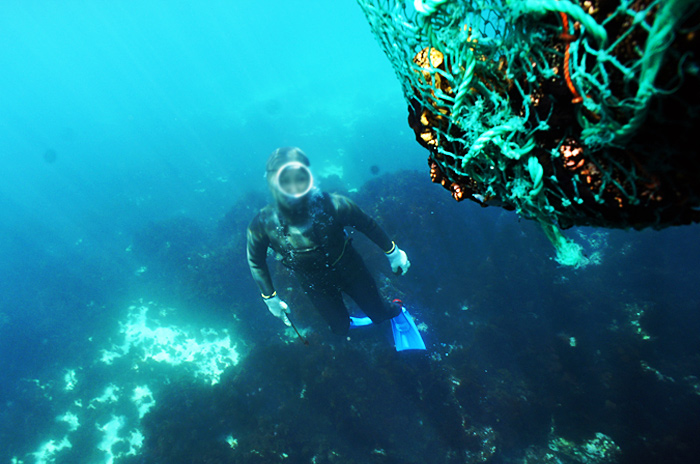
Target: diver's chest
x,y
300,237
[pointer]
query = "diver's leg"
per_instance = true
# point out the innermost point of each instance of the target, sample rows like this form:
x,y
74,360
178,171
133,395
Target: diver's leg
x,y
358,283
328,301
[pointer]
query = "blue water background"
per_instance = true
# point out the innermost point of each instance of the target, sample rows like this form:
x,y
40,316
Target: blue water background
x,y
161,109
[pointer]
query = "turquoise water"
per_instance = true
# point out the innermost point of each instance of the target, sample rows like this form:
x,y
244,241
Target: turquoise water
x,y
133,137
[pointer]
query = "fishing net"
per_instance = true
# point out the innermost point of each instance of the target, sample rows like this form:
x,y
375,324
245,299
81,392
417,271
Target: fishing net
x,y
571,113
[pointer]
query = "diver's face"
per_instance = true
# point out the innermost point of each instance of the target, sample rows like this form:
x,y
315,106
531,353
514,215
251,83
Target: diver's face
x,y
294,180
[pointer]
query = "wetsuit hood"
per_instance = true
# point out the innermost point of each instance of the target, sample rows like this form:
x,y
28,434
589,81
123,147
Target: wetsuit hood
x,y
283,156
289,178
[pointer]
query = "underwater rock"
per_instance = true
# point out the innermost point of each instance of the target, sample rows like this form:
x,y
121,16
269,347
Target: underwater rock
x,y
350,403
500,367
600,449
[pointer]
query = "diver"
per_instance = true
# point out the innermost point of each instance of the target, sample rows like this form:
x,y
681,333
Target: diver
x,y
305,227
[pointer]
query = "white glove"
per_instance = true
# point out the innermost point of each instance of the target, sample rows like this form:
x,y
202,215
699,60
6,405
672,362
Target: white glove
x,y
278,308
399,261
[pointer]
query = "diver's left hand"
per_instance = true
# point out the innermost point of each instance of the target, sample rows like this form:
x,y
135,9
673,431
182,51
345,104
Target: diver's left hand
x,y
399,261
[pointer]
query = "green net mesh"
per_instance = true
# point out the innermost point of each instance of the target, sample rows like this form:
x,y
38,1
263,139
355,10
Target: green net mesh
x,y
571,113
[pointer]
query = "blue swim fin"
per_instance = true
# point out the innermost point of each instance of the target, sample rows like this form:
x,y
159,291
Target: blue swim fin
x,y
406,334
359,321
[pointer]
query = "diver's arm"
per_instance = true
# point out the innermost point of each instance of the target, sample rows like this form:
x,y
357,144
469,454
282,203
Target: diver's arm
x,y
258,241
257,244
352,215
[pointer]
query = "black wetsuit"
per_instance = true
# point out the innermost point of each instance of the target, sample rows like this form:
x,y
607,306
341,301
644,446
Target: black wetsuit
x,y
313,243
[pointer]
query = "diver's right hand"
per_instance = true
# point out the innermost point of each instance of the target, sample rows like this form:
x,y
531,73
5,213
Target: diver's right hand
x,y
278,308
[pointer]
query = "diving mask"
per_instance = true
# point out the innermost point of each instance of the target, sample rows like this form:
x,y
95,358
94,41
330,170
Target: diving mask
x,y
294,179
